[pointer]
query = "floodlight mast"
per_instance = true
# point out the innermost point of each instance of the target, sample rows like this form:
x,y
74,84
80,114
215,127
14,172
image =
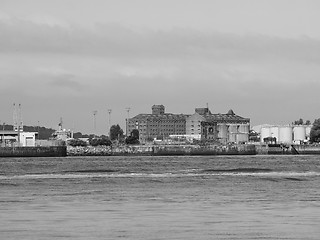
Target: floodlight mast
x,y
94,121
127,121
109,112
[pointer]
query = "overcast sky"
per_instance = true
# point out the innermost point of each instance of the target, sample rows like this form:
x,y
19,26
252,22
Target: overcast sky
x,y
68,58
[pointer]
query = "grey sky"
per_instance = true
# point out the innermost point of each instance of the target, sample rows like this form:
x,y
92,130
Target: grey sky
x,y
68,58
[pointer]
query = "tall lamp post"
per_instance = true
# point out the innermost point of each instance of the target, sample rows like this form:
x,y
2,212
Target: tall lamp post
x,y
109,112
3,141
127,122
94,122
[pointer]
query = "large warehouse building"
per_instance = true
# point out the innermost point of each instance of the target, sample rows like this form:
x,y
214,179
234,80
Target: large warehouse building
x,y
201,125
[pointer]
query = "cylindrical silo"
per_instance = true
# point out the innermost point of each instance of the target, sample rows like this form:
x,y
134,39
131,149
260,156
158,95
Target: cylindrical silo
x,y
299,133
308,130
274,132
243,128
285,134
222,132
265,133
242,137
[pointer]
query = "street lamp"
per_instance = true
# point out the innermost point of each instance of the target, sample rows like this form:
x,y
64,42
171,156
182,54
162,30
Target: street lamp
x,y
38,130
94,121
109,112
4,144
127,122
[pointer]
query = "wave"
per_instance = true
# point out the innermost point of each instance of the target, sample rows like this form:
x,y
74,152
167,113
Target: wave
x,y
92,171
239,170
261,173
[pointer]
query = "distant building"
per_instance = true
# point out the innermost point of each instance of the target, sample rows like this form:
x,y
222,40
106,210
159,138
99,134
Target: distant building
x,y
158,124
62,134
225,128
286,134
17,138
202,125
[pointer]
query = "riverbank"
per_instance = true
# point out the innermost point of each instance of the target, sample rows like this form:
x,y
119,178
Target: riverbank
x,y
161,150
38,151
172,150
287,149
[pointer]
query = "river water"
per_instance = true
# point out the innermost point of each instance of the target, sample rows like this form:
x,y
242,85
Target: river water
x,y
207,197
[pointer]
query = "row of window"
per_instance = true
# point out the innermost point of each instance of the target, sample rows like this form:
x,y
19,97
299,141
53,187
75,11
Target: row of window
x,y
157,125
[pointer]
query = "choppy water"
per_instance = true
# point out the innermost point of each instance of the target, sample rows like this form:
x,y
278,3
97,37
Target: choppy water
x,y
211,197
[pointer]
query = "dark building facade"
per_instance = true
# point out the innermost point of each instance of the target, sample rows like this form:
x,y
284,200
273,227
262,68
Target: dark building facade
x,y
225,128
158,124
202,125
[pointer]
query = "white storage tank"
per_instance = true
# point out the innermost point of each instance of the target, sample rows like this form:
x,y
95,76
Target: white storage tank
x,y
244,128
299,133
242,137
308,130
222,132
265,133
274,131
285,134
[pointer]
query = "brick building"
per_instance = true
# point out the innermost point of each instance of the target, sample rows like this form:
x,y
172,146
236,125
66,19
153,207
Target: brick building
x,y
204,125
158,124
225,128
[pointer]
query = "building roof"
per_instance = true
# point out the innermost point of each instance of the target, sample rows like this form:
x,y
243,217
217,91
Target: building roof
x,y
12,132
229,117
165,116
8,132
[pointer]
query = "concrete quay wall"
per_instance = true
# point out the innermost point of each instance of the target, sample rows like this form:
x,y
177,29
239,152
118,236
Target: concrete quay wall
x,y
308,149
160,150
276,149
40,151
108,150
205,150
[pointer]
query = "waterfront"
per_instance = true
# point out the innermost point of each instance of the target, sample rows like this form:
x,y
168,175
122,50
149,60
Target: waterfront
x,y
203,197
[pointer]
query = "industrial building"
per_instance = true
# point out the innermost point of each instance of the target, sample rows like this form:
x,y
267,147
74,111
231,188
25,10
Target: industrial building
x,y
202,125
16,138
225,128
158,124
286,134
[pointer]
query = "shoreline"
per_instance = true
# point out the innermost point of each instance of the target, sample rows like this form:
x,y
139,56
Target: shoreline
x,y
161,150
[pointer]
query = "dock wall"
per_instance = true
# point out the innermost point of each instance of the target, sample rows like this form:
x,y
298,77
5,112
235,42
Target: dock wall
x,y
162,150
290,149
50,151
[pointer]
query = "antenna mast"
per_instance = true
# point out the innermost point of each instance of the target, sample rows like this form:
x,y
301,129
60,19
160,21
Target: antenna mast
x,y
20,119
60,124
15,118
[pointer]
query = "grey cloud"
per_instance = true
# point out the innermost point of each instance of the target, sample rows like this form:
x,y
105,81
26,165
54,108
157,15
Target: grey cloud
x,y
117,41
181,69
64,82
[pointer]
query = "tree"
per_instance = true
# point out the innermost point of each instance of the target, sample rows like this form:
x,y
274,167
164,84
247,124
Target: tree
x,y
135,133
315,131
100,142
116,133
77,142
298,122
133,138
308,122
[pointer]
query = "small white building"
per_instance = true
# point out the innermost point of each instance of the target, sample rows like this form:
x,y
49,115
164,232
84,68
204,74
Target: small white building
x,y
15,138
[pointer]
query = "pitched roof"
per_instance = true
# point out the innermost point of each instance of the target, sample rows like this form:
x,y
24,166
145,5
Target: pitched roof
x,y
165,116
226,118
